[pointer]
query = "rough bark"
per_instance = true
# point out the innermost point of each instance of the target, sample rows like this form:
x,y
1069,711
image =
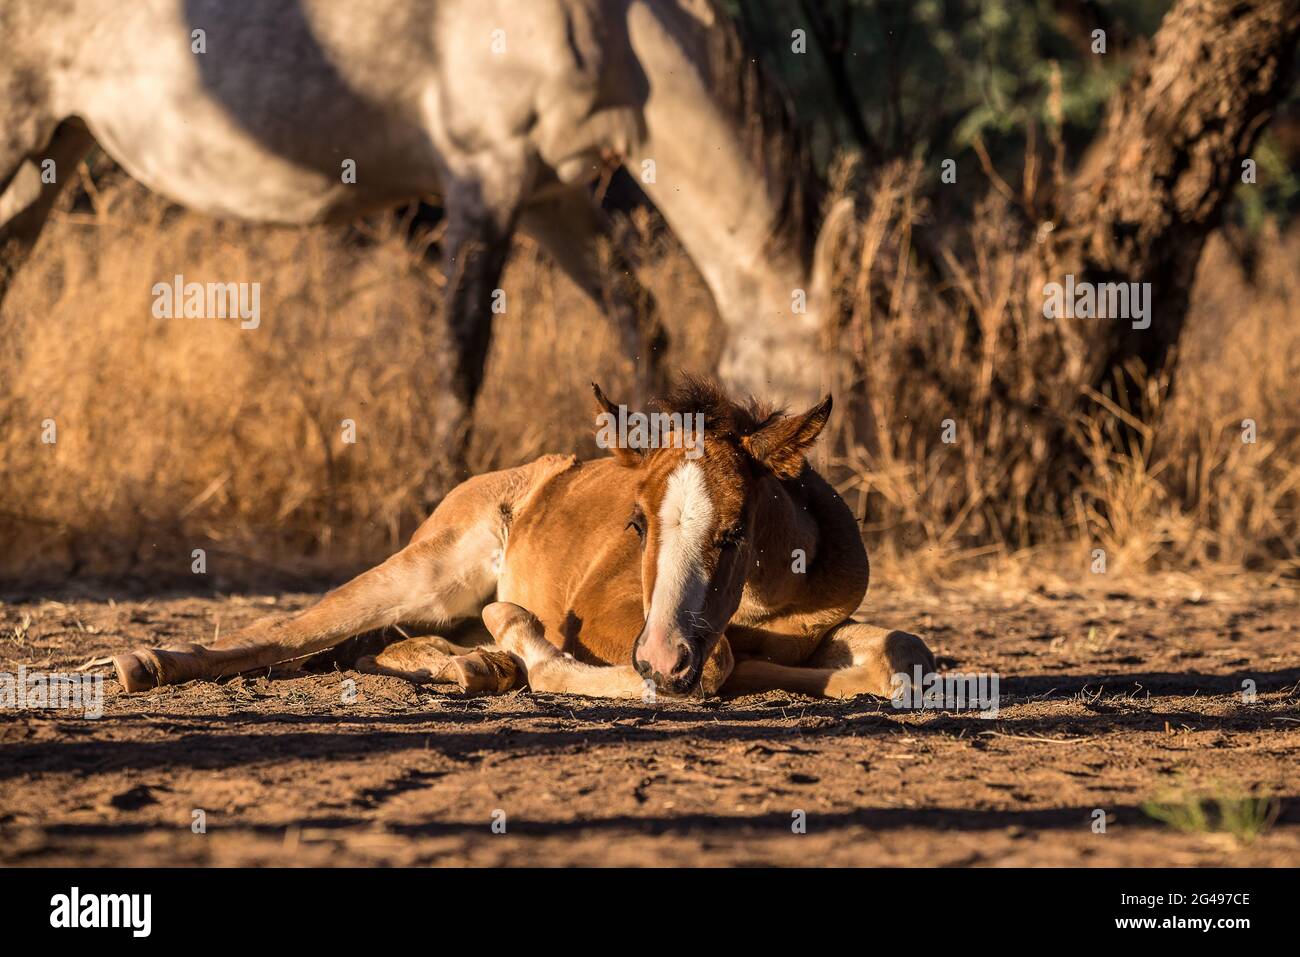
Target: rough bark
x,y
1155,183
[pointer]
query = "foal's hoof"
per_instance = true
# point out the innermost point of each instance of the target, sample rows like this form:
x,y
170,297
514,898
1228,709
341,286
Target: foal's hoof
x,y
904,652
147,668
484,672
135,672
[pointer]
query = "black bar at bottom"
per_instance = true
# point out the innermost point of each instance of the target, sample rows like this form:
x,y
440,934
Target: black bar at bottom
x,y
766,906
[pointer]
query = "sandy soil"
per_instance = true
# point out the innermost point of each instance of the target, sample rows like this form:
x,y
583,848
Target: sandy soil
x,y
1108,699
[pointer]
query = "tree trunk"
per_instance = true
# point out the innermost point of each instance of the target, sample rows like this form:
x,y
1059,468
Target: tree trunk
x,y
1155,183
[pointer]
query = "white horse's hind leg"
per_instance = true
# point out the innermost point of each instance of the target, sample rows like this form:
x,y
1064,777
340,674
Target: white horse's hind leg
x,y
26,197
569,227
518,632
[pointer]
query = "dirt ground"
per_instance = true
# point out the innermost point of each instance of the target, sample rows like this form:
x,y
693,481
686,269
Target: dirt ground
x,y
1110,697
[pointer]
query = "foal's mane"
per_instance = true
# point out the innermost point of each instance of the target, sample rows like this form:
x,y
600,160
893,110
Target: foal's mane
x,y
724,417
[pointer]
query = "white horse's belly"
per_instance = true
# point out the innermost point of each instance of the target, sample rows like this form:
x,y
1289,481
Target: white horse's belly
x,y
270,150
208,164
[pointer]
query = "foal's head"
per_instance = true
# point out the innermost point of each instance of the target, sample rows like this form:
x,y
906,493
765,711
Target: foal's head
x,y
694,512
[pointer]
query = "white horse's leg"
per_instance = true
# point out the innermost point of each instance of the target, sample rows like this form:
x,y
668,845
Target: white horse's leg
x,y
569,227
25,197
483,195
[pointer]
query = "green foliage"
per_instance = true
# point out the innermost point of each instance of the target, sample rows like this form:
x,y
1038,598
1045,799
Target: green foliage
x,y
1276,190
1225,811
931,77
935,74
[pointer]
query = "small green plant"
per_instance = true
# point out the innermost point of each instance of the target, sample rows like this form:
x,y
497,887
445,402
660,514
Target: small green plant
x,y
1219,811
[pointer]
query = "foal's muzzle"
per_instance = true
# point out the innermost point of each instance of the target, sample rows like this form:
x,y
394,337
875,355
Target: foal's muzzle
x,y
672,661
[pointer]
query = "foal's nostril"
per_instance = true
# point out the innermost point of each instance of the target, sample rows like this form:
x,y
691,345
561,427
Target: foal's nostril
x,y
664,659
683,663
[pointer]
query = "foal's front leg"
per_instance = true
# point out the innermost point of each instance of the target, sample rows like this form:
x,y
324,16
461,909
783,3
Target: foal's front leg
x,y
852,659
866,658
519,632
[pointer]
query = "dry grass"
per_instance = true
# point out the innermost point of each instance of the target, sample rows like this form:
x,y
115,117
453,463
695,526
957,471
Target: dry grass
x,y
182,434
971,357
177,434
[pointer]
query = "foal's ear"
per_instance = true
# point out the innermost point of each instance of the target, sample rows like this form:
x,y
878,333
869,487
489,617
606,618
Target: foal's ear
x,y
780,443
607,436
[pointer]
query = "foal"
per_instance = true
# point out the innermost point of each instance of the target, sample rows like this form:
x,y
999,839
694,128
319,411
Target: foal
x,y
729,565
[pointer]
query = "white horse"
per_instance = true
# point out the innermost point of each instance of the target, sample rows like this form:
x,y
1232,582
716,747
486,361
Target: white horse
x,y
298,111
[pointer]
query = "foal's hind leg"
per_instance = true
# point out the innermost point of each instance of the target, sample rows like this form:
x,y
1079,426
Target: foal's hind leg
x,y
428,659
853,658
404,588
447,572
425,659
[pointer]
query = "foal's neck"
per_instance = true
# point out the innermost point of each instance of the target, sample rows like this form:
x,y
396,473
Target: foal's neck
x,y
807,553
783,529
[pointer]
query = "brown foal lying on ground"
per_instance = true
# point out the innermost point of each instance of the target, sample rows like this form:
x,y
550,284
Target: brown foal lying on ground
x,y
719,561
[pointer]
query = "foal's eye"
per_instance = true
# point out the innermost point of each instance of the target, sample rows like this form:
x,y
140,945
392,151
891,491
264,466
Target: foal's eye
x,y
637,521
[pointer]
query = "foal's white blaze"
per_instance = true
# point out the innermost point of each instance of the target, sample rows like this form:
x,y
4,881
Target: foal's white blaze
x,y
685,527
